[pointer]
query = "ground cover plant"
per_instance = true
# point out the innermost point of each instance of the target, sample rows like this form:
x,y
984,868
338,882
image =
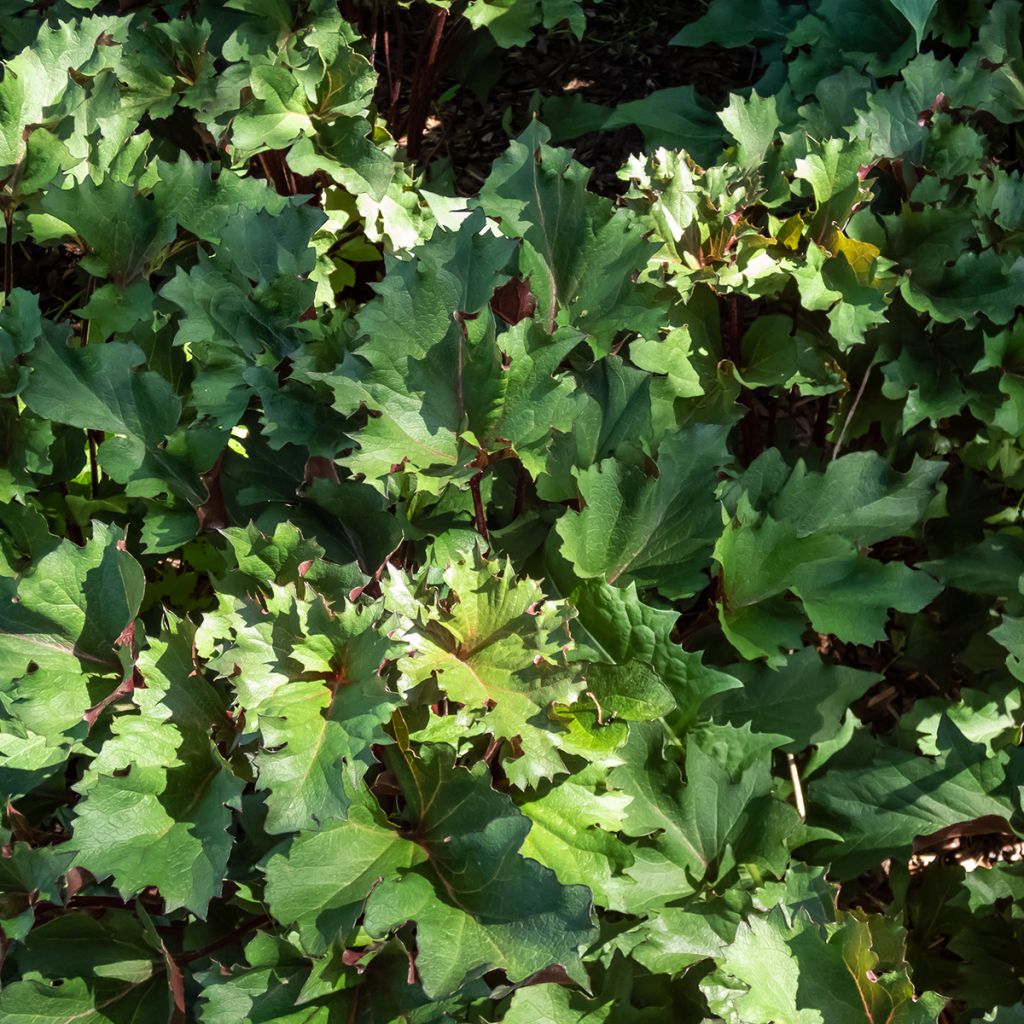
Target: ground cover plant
x,y
440,594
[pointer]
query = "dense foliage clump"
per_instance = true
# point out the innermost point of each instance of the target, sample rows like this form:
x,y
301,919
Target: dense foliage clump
x,y
539,605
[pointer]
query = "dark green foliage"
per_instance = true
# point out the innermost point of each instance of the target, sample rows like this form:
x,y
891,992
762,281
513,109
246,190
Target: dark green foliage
x,y
535,606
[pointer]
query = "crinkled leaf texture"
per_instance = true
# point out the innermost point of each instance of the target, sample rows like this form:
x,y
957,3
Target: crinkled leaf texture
x,y
580,599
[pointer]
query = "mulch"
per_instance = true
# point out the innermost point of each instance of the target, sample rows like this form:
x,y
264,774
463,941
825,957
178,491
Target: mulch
x,y
624,55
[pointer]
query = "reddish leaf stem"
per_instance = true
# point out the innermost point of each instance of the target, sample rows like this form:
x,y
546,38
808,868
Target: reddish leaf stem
x,y
176,987
478,506
522,478
731,344
249,925
422,89
8,251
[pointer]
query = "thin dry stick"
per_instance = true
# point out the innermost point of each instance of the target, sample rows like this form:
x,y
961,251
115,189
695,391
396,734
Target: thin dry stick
x,y
798,789
849,415
94,466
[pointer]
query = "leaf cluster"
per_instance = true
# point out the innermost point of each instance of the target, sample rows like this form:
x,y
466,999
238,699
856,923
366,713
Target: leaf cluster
x,y
532,606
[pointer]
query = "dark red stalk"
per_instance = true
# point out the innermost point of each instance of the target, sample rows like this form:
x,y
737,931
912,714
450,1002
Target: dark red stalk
x,y
731,349
423,82
522,477
8,251
249,925
478,506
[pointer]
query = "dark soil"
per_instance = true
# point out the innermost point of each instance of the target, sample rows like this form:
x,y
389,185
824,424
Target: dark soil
x,y
624,55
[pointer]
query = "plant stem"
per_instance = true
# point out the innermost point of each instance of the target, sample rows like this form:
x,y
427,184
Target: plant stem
x,y
8,251
731,349
478,506
422,89
521,480
251,924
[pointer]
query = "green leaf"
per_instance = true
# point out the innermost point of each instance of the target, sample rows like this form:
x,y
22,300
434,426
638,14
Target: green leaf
x,y
509,21
310,726
36,78
676,939
752,122
917,12
675,118
74,604
224,324
123,231
263,644
691,826
428,365
467,884
632,691
615,410
279,985
976,283
729,24
573,833
654,531
30,872
497,646
96,388
275,116
1010,633
616,628
162,778
20,327
554,1004
476,901
283,557
188,193
800,531
319,881
880,803
672,358
36,1002
116,957
12,102
776,974
579,253
99,388
535,400
115,310
805,702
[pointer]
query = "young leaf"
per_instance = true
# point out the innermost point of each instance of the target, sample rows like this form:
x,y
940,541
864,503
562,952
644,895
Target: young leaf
x,y
497,646
309,727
